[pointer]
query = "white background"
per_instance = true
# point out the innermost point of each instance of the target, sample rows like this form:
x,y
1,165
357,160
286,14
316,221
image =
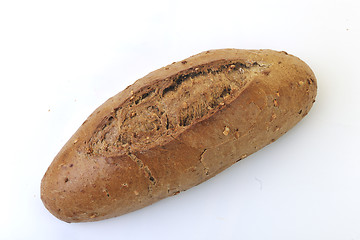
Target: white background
x,y
59,60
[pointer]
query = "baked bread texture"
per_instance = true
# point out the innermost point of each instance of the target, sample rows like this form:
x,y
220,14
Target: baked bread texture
x,y
175,128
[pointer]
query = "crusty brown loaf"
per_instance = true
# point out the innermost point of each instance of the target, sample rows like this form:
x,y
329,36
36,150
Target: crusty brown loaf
x,y
175,128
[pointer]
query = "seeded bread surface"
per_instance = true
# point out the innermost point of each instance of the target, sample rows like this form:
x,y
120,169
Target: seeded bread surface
x,y
175,128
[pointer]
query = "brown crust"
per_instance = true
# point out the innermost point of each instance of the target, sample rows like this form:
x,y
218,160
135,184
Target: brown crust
x,y
88,182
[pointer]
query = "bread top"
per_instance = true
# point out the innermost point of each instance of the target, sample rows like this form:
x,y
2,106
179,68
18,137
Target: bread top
x,y
166,102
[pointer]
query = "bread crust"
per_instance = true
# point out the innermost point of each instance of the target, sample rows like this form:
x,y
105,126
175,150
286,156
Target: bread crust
x,y
103,171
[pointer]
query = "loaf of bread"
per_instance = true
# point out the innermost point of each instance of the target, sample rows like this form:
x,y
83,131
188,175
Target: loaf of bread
x,y
175,128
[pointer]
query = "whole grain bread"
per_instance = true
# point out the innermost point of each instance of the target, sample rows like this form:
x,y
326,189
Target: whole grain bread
x,y
175,128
